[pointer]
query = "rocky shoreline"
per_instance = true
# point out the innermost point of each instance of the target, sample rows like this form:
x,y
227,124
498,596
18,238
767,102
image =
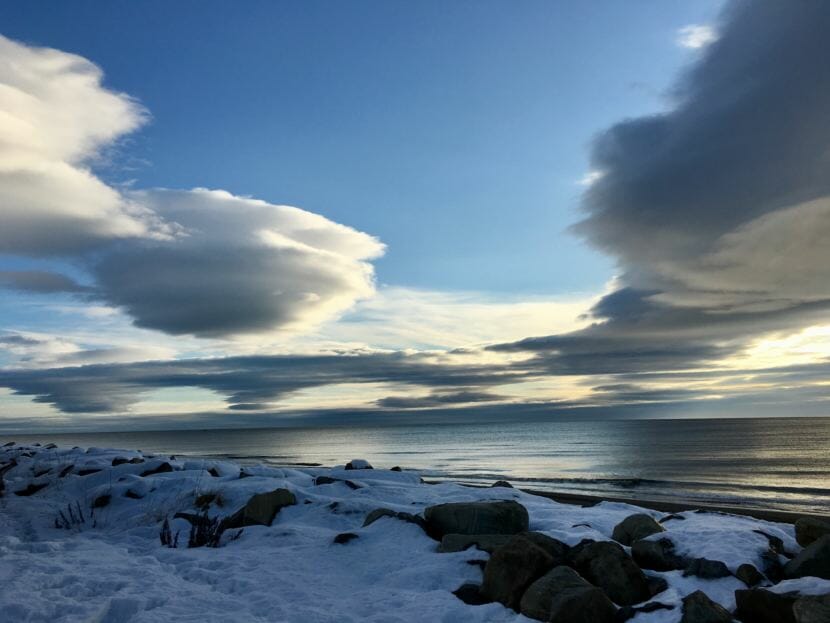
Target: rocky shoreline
x,y
603,563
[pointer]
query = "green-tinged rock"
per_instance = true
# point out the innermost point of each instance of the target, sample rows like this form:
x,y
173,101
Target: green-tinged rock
x,y
563,596
635,527
501,517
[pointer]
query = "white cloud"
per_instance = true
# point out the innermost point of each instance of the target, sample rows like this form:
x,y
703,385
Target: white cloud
x,y
55,117
590,178
696,36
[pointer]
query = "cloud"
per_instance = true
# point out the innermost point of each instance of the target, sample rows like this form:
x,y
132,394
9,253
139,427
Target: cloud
x,y
40,281
55,118
239,266
696,36
199,262
719,203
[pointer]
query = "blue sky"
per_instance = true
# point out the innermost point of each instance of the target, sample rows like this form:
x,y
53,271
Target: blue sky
x,y
455,132
215,214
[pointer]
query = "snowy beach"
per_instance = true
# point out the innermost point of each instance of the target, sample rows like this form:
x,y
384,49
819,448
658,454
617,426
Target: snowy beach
x,y
80,541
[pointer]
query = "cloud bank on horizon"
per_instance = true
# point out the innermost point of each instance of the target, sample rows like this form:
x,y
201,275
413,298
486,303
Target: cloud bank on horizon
x,y
716,212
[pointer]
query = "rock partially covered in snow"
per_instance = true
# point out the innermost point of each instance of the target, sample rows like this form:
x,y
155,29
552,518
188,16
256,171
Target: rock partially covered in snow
x,y
810,529
813,560
501,517
658,555
562,595
635,527
758,605
516,565
605,564
261,509
485,542
358,464
698,608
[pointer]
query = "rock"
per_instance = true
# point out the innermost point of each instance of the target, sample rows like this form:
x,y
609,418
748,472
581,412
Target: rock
x,y
672,517
513,567
813,560
50,446
775,543
398,469
358,464
88,472
563,596
101,501
810,529
328,480
502,483
119,460
812,609
706,569
65,471
502,517
214,473
485,542
606,565
698,608
758,605
657,555
136,460
376,514
470,594
133,495
30,489
772,566
261,509
204,500
8,444
629,612
636,527
344,537
158,469
749,575
656,585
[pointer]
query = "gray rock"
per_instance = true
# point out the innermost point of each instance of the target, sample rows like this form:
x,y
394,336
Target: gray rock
x,y
512,568
749,575
358,464
629,612
606,565
102,501
376,514
502,483
161,468
328,480
502,517
261,509
810,529
707,569
470,594
698,608
636,527
772,567
656,585
812,609
757,605
813,560
657,555
563,596
485,542
344,537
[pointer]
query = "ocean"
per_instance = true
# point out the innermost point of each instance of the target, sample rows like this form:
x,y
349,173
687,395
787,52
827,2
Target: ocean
x,y
777,464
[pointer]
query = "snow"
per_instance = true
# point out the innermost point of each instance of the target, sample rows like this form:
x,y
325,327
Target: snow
x,y
112,567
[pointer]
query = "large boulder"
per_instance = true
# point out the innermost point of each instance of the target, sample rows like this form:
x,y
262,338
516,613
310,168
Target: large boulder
x,y
757,605
657,555
515,566
358,464
261,509
502,517
635,527
698,608
561,595
812,609
810,529
813,560
605,564
485,542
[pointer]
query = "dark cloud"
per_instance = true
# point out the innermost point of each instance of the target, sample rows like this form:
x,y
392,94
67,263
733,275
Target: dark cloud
x,y
437,400
39,281
723,202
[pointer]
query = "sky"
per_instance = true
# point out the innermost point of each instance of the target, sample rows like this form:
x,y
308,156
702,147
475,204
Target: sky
x,y
316,212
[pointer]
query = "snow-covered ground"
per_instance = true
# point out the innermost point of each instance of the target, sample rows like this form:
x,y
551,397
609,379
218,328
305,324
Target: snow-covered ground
x,y
112,567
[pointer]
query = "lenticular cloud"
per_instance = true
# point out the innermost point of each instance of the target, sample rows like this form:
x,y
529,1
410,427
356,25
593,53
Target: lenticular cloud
x,y
200,262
